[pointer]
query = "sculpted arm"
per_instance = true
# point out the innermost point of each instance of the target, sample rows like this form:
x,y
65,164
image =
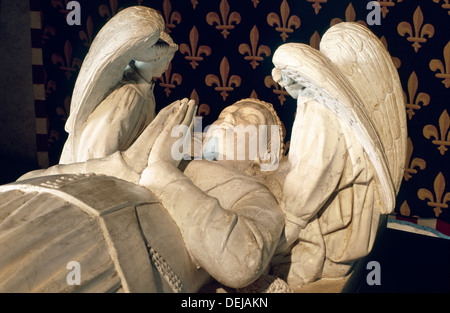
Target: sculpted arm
x,y
112,165
115,123
234,241
126,165
233,245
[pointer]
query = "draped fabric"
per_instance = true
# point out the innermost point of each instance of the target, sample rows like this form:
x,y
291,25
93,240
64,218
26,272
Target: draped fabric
x,y
118,234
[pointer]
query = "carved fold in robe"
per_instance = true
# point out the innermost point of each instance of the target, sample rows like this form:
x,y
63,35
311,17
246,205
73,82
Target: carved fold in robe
x,y
231,223
126,241
338,200
122,238
124,113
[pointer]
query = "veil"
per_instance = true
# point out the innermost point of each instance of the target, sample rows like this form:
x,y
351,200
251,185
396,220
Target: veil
x,y
132,34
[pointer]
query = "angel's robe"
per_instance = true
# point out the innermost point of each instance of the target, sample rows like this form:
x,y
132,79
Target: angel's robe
x,y
337,202
115,123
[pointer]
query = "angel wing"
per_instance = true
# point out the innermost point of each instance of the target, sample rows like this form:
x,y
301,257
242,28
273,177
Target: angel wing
x,y
365,62
129,35
318,77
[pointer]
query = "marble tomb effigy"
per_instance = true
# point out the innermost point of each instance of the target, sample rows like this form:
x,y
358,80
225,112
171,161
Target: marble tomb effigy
x,y
137,219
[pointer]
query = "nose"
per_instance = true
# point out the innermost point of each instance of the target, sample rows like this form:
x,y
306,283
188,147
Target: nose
x,y
276,74
230,119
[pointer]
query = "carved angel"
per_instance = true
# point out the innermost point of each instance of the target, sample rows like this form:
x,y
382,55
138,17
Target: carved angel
x,y
113,100
347,153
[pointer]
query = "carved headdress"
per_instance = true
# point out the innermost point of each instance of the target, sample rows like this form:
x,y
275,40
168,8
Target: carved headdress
x,y
354,77
135,33
275,119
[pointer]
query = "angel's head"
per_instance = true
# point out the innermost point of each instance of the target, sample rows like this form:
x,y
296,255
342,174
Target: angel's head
x,y
134,35
299,69
248,130
291,86
155,59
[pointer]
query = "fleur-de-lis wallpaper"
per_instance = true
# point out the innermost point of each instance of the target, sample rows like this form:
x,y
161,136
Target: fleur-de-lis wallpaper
x,y
226,47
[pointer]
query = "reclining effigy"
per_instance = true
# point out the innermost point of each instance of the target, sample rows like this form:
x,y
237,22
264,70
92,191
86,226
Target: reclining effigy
x,y
135,218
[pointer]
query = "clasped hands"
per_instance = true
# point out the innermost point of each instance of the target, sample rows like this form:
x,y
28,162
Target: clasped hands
x,y
161,168
148,161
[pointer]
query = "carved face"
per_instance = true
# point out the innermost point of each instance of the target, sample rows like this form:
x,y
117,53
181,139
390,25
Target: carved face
x,y
153,68
245,114
243,131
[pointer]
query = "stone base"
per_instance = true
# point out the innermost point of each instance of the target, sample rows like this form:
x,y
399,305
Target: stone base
x,y
325,285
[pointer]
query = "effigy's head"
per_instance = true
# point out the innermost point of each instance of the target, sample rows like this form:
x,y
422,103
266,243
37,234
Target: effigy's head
x,y
249,130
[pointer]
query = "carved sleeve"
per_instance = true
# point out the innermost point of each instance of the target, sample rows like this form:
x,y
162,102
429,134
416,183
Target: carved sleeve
x,y
115,123
112,165
233,242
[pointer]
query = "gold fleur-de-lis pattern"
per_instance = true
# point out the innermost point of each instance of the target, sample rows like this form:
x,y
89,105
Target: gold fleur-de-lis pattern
x,y
445,4
437,198
60,5
169,80
419,33
442,68
172,18
285,22
441,134
254,52
225,83
350,16
386,5
194,53
226,50
277,89
87,35
110,9
317,4
412,164
226,21
415,100
68,63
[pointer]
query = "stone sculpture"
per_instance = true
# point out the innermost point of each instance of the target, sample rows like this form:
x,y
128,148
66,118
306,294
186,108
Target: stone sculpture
x,y
221,223
347,152
155,224
114,89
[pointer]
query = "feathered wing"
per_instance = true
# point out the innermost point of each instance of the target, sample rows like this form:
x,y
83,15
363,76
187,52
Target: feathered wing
x,y
324,82
368,66
128,35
